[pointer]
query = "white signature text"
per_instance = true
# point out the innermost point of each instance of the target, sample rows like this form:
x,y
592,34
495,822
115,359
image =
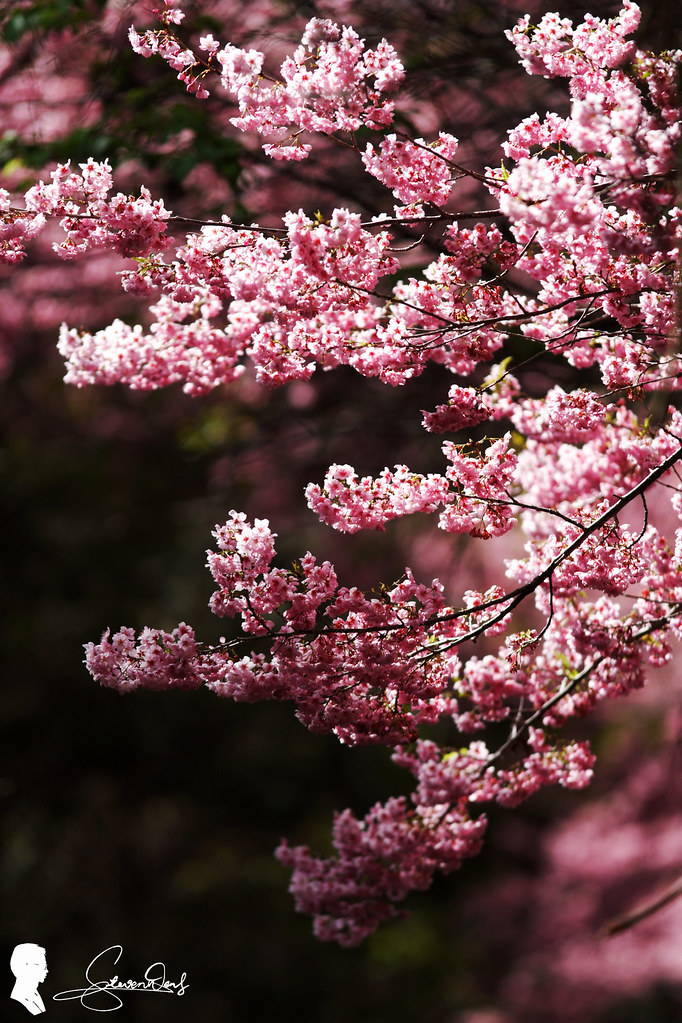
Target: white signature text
x,y
103,995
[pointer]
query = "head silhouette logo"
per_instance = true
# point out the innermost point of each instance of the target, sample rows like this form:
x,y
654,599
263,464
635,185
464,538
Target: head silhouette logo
x,y
29,966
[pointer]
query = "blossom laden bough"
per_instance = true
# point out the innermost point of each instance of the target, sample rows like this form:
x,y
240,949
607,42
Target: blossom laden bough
x,y
89,217
330,83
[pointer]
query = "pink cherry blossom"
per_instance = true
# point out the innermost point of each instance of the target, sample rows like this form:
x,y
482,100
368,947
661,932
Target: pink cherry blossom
x,y
575,265
414,170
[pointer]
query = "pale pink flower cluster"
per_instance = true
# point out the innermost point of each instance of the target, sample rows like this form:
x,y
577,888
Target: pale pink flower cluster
x,y
331,83
349,504
341,251
416,172
474,493
555,48
288,303
578,225
16,227
89,217
577,475
483,507
165,44
592,223
573,418
533,132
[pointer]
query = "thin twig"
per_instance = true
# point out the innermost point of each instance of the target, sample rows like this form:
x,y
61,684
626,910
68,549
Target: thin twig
x,y
623,923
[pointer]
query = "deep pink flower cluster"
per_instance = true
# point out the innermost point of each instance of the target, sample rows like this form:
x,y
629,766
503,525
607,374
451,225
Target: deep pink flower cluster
x,y
158,660
378,861
345,659
582,257
604,863
469,777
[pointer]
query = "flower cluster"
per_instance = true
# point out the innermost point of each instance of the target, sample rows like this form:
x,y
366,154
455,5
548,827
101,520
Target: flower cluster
x,y
415,171
89,217
158,660
345,659
470,777
331,83
474,494
16,227
554,48
375,668
291,302
377,862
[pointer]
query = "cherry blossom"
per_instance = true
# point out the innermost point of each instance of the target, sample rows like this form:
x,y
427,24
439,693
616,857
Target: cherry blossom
x,y
576,265
414,170
89,217
330,83
349,896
